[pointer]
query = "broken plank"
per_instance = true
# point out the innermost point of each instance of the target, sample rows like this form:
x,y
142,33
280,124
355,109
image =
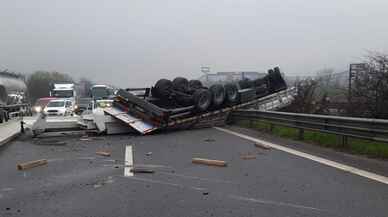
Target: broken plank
x,y
263,146
209,162
248,157
103,153
31,164
141,170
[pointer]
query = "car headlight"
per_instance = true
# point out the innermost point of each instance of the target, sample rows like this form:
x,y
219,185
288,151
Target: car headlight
x,y
38,108
76,106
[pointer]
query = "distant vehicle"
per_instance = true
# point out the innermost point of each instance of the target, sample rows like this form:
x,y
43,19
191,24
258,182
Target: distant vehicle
x,y
59,107
41,103
103,103
12,96
83,104
101,91
65,91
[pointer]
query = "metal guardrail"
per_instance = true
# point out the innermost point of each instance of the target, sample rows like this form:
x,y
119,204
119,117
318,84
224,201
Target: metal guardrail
x,y
363,128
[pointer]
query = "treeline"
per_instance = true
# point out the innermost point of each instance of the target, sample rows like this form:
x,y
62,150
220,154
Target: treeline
x,y
39,83
328,92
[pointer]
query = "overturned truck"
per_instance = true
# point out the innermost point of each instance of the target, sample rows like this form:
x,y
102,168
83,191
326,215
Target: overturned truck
x,y
183,103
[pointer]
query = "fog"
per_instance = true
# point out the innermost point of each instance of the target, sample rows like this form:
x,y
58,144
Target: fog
x,y
133,43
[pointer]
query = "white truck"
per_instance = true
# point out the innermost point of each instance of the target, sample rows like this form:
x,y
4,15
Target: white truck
x,y
13,100
101,91
65,91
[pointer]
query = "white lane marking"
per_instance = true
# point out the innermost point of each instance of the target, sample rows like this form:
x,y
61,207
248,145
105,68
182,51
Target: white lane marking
x,y
269,202
350,169
128,161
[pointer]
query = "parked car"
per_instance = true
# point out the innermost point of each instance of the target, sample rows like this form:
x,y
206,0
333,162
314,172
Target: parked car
x,y
41,103
60,107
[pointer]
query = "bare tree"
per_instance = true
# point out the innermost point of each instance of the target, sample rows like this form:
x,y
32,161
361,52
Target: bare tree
x,y
370,88
306,100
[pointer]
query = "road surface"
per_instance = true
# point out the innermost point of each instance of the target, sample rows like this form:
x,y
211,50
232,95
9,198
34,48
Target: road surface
x,y
77,182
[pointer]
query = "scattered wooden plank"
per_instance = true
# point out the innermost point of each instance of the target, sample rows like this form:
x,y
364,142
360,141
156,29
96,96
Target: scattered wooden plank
x,y
248,157
31,164
263,146
103,153
141,170
209,162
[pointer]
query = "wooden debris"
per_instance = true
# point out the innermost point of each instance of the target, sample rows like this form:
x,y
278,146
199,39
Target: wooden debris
x,y
248,157
141,170
263,146
31,164
85,139
103,153
209,162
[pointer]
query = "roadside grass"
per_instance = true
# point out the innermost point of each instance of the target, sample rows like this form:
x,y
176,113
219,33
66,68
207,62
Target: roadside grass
x,y
353,146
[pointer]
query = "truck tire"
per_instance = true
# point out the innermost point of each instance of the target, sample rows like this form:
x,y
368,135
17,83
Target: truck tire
x,y
195,84
218,94
1,116
180,84
184,100
231,93
245,83
162,89
202,99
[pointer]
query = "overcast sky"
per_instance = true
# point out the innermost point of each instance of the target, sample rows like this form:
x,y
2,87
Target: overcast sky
x,y
132,43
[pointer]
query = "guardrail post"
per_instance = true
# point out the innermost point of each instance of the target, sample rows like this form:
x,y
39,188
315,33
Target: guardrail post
x,y
301,134
250,123
344,140
271,126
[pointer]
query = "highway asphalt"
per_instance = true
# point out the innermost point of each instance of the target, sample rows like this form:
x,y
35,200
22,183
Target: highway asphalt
x,y
77,182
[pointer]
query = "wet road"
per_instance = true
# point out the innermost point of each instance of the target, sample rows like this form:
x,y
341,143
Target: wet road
x,y
77,182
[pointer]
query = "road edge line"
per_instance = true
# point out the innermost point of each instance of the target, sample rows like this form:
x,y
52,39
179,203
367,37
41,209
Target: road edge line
x,y
343,167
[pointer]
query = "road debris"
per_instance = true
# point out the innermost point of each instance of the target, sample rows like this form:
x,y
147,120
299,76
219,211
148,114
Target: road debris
x,y
248,157
209,162
142,170
209,140
263,146
50,142
31,164
85,139
148,153
103,153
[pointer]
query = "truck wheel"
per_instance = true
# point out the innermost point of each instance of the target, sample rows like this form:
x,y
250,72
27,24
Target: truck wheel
x,y
184,100
218,94
180,84
195,84
202,99
245,83
1,116
231,93
162,89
